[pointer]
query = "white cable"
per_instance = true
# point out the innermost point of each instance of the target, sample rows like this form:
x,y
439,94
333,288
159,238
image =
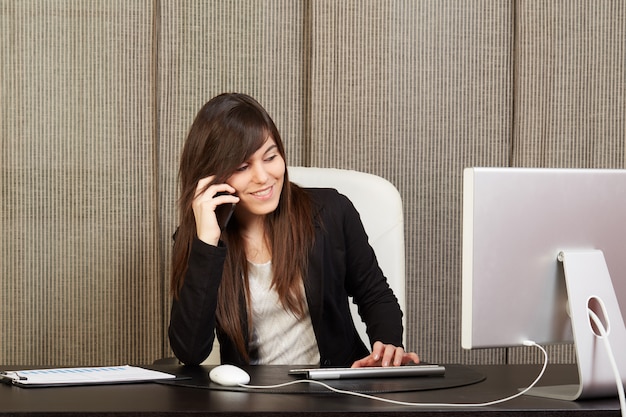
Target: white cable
x,y
609,350
371,397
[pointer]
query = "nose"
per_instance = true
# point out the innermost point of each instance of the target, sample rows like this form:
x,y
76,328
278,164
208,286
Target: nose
x,y
259,174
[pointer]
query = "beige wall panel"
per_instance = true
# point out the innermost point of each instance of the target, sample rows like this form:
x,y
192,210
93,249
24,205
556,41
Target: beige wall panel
x,y
97,97
207,48
78,270
570,84
570,94
414,92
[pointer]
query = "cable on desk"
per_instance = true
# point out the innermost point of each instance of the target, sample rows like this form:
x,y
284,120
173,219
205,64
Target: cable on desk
x,y
372,397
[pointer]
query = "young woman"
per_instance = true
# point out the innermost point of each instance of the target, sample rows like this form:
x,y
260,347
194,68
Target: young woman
x,y
273,283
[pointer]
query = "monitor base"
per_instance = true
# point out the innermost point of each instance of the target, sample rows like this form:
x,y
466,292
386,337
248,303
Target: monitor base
x,y
589,287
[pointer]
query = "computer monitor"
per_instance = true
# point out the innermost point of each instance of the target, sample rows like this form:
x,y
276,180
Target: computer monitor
x,y
540,247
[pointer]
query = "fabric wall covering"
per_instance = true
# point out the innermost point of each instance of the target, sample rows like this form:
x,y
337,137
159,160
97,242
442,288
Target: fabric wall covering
x,y
96,98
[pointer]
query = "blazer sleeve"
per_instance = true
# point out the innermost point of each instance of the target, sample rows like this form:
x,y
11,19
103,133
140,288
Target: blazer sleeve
x,y
366,283
192,321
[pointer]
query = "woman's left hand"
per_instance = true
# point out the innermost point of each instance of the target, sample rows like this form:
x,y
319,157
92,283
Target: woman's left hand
x,y
386,355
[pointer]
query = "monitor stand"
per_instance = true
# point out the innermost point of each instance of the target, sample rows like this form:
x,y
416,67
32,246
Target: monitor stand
x,y
589,286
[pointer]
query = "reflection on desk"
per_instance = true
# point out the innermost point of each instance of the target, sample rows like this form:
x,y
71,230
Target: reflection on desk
x,y
160,399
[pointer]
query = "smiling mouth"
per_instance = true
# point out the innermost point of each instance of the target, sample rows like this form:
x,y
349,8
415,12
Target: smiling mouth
x,y
263,193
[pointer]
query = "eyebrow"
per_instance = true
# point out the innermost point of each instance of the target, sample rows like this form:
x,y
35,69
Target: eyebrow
x,y
270,148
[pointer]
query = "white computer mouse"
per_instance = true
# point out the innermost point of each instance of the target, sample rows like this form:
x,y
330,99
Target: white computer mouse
x,y
228,375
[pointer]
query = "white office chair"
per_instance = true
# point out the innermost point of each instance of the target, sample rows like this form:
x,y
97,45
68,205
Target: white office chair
x,y
380,206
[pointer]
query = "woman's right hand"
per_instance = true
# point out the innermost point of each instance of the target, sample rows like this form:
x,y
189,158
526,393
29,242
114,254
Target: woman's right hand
x,y
204,204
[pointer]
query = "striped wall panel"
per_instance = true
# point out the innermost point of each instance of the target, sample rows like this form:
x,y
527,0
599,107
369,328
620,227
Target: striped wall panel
x,y
209,48
415,91
570,95
79,262
570,101
96,99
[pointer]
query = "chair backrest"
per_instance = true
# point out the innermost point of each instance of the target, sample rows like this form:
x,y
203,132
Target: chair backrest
x,y
380,206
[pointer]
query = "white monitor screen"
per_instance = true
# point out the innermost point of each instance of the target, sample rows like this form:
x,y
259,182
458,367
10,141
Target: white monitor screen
x,y
515,223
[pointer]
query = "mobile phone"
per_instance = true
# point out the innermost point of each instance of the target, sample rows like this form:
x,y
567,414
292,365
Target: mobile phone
x,y
224,212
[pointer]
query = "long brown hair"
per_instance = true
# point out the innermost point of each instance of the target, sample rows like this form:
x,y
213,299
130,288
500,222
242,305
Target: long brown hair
x,y
225,133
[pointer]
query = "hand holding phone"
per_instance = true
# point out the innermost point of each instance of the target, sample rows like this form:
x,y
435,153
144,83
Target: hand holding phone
x,y
213,206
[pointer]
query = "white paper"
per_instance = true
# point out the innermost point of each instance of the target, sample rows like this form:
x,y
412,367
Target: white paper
x,y
88,375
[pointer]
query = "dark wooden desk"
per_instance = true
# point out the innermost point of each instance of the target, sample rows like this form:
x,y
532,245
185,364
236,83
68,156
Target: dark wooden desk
x,y
152,399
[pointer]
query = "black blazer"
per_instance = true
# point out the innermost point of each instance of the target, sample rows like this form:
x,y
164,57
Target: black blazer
x,y
341,264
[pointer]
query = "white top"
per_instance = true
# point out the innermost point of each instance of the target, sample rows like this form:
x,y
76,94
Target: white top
x,y
279,336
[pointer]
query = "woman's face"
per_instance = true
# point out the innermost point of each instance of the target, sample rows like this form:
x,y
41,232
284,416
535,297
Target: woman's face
x,y
259,181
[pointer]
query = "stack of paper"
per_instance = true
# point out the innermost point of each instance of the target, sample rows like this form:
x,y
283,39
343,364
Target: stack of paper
x,y
82,376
